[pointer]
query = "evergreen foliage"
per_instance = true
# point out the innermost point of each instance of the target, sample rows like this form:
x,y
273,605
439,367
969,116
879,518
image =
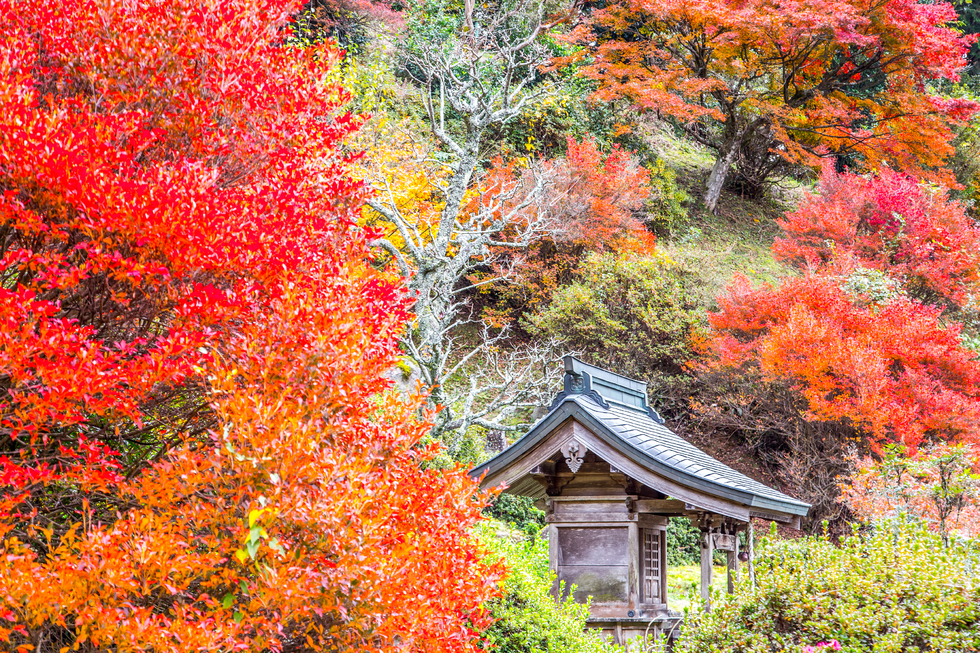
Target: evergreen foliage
x,y
528,619
892,588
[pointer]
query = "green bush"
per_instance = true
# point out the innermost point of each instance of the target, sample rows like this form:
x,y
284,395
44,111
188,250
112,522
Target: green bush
x,y
529,620
518,512
666,213
683,542
627,313
890,590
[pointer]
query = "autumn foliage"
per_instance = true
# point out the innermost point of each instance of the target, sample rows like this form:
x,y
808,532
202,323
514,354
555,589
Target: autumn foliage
x,y
889,222
764,81
599,196
595,199
200,448
861,335
892,368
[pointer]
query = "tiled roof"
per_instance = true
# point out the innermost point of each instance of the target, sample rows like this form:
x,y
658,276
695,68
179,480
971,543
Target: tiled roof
x,y
646,435
615,409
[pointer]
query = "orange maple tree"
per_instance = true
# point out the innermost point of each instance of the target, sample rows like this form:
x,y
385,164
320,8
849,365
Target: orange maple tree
x,y
763,82
891,367
200,449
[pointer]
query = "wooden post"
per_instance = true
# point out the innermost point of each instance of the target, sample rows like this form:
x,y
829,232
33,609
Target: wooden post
x,y
707,549
750,537
733,570
663,567
633,569
553,557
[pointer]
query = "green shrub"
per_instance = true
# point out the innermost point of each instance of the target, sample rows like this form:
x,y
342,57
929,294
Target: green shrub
x,y
529,620
890,590
683,542
666,213
626,313
518,512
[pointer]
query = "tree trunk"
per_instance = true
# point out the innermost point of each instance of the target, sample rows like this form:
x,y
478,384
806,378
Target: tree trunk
x,y
458,184
719,172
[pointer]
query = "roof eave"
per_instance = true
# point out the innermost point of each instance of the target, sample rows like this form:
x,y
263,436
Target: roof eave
x,y
791,507
552,419
569,407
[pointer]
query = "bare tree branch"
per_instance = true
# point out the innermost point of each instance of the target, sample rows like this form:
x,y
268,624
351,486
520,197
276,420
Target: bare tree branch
x,y
484,73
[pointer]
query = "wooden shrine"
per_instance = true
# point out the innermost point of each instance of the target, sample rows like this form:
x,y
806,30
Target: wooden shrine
x,y
608,475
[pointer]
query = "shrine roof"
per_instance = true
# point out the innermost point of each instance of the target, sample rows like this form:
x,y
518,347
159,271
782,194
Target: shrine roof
x,y
614,409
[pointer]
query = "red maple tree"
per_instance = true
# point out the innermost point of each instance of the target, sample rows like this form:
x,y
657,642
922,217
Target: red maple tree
x,y
200,448
862,335
890,367
888,222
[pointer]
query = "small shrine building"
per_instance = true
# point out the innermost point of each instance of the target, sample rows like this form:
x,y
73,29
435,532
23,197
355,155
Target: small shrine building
x,y
608,475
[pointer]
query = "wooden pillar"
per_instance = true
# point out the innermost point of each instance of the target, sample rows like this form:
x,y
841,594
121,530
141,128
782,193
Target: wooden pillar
x,y
707,549
553,558
749,537
734,573
633,570
663,567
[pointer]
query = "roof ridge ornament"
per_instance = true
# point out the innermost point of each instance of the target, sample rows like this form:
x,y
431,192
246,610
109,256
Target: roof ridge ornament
x,y
603,387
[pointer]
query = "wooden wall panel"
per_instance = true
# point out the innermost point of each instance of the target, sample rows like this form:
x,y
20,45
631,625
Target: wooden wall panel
x,y
592,546
603,583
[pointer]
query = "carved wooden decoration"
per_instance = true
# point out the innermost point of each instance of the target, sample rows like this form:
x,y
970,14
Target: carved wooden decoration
x,y
574,453
723,542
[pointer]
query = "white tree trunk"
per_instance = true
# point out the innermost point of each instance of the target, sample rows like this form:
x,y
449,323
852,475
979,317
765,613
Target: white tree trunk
x,y
719,172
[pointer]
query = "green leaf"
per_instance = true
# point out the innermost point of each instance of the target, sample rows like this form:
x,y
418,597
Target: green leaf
x,y
228,600
241,555
238,617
